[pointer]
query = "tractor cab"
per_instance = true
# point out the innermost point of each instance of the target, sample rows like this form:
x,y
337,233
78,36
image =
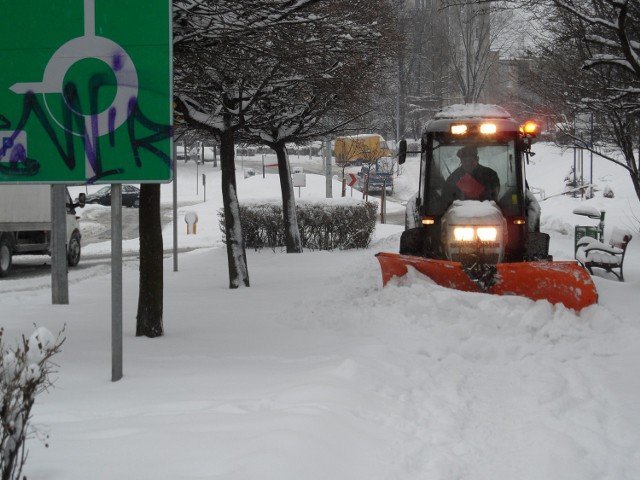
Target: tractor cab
x,y
472,153
447,177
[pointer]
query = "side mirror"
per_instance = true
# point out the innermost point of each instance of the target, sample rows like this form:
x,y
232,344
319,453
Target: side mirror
x,y
402,151
82,200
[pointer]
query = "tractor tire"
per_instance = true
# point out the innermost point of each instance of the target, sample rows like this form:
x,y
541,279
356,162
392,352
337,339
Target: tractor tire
x,y
412,242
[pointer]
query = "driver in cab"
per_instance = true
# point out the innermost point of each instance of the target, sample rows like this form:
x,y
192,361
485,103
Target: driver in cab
x,y
471,181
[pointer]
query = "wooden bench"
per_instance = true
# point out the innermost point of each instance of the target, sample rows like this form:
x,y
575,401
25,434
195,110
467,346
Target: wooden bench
x,y
592,253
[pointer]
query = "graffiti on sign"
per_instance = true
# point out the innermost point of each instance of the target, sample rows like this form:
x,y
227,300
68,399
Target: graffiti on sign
x,y
101,113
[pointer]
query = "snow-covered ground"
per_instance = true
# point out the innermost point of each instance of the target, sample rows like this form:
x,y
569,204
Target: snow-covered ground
x,y
317,372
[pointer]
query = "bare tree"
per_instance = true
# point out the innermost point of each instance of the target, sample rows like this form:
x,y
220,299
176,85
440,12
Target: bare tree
x,y
477,37
273,70
590,53
611,31
333,71
451,54
590,63
427,65
224,63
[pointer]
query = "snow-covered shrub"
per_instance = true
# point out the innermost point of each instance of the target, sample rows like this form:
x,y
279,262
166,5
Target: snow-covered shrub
x,y
329,227
262,225
570,178
322,226
304,150
607,192
25,372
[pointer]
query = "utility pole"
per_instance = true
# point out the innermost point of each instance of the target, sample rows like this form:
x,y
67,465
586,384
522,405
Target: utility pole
x,y
327,166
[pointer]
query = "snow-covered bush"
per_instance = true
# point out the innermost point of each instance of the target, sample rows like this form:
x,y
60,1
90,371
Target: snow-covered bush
x,y
569,178
607,192
322,226
330,227
25,371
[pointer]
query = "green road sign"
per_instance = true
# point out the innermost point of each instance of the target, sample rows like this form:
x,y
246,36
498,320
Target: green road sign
x,y
85,92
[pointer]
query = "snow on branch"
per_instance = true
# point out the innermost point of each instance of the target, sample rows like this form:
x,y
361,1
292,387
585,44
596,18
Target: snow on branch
x,y
25,372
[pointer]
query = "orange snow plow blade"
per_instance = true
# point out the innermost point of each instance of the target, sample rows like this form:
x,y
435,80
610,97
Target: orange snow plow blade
x,y
557,282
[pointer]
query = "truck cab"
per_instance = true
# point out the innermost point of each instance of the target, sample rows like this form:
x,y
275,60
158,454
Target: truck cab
x,y
361,149
25,224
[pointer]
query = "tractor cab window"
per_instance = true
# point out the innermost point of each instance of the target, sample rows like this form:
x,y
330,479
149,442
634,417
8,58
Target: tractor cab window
x,y
473,171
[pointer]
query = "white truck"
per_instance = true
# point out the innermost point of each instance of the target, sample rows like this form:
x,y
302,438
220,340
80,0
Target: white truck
x,y
25,224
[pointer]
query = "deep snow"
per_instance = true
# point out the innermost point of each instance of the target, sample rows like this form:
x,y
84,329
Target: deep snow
x,y
317,372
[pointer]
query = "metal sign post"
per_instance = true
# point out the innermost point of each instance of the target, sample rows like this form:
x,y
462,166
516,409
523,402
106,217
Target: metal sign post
x,y
175,207
327,168
116,282
383,202
88,99
204,186
59,274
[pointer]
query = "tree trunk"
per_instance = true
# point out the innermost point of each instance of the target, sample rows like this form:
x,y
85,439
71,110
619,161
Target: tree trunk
x,y
401,100
291,230
236,255
150,300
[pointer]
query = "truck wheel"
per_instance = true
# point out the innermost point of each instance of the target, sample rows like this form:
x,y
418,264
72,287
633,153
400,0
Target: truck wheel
x,y
73,253
5,256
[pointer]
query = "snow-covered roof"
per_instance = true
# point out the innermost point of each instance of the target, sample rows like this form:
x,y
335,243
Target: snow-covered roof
x,y
473,110
587,210
363,136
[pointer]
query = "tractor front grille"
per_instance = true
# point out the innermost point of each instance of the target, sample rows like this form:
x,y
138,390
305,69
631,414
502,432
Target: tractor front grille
x,y
471,258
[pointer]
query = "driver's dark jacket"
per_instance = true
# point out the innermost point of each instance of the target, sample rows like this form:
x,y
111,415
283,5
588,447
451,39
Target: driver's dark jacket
x,y
481,184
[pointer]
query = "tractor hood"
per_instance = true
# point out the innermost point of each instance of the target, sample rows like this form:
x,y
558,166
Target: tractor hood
x,y
474,212
474,232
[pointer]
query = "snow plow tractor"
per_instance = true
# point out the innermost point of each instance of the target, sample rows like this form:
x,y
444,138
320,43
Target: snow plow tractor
x,y
474,225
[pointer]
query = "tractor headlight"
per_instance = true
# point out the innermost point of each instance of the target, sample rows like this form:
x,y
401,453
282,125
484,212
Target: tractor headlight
x,y
470,234
464,234
487,234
